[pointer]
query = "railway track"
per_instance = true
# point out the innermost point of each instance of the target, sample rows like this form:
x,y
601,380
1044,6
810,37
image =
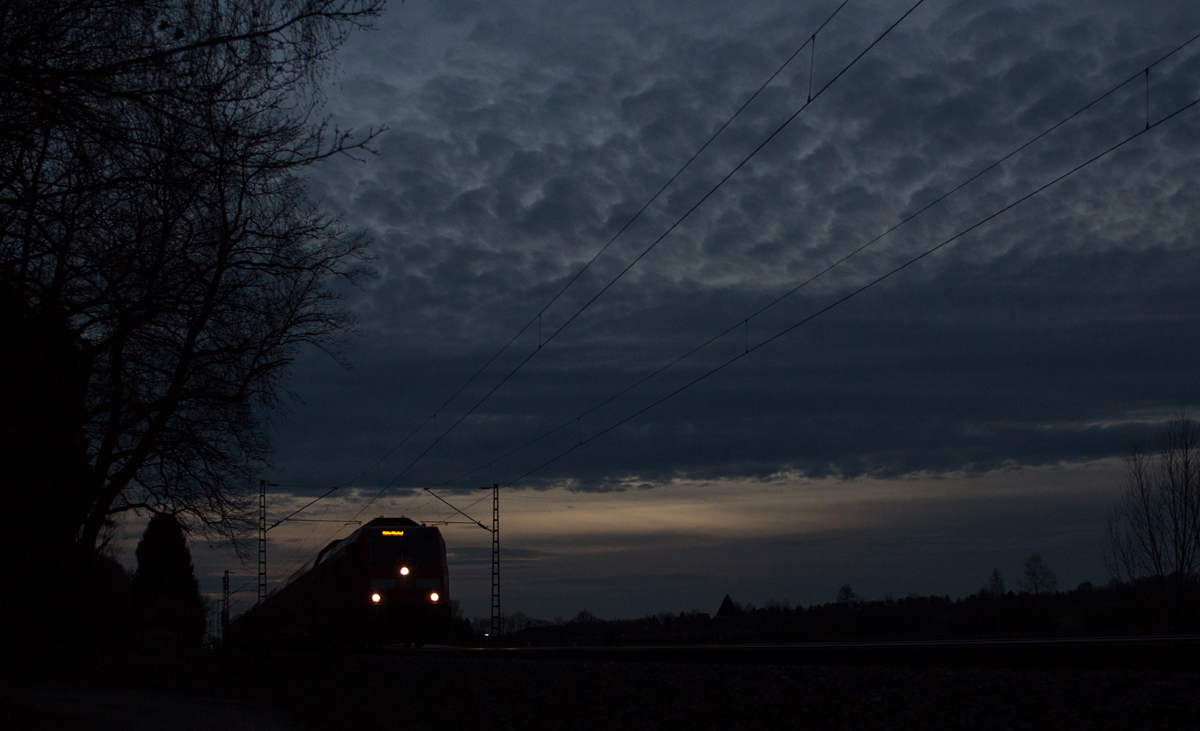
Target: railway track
x,y
1167,653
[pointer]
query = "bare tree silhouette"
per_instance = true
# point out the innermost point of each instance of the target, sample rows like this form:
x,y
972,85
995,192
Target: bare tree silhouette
x,y
150,209
1154,530
995,585
846,595
1039,579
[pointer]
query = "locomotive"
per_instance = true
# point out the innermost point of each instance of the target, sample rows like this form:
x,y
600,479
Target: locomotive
x,y
387,582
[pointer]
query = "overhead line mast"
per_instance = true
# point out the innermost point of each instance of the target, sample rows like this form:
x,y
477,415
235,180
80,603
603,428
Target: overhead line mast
x,y
262,539
496,623
225,610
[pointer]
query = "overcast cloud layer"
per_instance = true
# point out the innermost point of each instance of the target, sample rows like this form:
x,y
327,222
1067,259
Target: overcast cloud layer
x,y
521,137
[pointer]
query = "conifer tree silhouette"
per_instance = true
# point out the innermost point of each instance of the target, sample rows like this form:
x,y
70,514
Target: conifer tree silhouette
x,y
165,593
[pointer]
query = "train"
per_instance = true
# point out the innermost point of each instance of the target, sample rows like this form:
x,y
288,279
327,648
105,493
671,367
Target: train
x,y
386,583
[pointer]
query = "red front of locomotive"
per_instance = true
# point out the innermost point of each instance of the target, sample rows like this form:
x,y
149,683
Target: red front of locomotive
x,y
406,591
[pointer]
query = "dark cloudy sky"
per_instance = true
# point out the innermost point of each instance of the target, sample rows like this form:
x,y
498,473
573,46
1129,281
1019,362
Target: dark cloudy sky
x,y
965,412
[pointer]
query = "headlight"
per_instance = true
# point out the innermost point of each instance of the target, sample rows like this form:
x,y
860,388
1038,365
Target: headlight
x,y
404,571
375,598
433,597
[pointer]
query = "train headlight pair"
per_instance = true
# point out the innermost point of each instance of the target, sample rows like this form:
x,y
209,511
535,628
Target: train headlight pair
x,y
375,598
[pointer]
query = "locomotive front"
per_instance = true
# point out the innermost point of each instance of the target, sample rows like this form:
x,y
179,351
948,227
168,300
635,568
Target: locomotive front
x,y
407,592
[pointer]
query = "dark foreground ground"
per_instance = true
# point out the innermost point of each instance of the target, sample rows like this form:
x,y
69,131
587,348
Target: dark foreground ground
x,y
421,691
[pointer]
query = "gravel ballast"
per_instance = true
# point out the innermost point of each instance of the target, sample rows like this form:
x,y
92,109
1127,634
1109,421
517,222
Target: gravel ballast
x,y
438,692
431,691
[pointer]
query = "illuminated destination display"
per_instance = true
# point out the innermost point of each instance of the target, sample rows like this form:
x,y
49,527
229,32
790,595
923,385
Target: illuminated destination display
x,y
393,532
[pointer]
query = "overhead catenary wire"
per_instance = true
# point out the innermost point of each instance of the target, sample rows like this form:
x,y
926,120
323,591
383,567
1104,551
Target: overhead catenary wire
x,y
538,317
292,563
679,221
686,165
858,291
745,321
748,349
409,509
455,509
295,560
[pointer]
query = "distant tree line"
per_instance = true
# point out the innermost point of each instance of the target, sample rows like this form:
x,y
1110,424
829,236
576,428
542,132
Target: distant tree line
x,y
1086,611
1036,609
1151,549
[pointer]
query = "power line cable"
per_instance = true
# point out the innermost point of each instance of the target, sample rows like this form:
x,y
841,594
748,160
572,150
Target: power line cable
x,y
744,322
538,317
296,560
810,41
856,292
417,510
452,507
795,289
655,243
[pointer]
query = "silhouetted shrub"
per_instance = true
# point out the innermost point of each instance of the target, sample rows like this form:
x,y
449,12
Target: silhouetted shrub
x,y
109,615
